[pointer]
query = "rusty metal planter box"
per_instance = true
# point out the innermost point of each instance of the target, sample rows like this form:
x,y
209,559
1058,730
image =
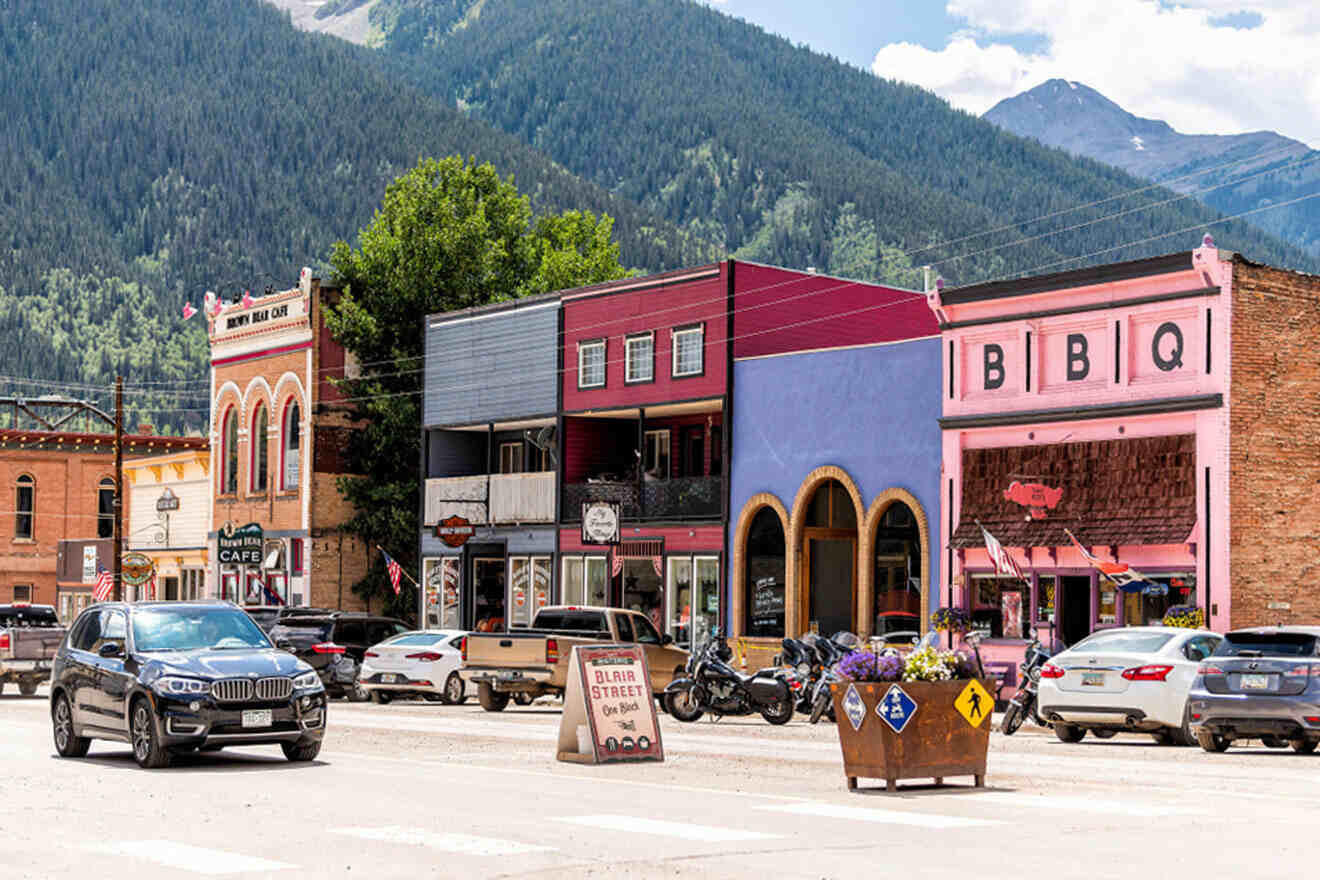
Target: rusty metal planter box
x,y
936,742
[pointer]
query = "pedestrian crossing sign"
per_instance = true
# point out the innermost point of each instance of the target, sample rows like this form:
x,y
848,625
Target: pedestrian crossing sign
x,y
896,708
974,703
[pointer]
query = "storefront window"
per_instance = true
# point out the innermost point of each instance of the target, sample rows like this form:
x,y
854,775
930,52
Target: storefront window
x,y
1146,609
693,591
529,587
763,577
585,580
998,606
897,572
441,578
1108,604
642,590
1046,587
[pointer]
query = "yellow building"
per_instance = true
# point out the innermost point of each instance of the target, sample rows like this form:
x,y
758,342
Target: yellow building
x,y
168,515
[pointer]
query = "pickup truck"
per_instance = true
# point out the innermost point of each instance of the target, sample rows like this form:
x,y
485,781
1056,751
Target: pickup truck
x,y
533,662
29,637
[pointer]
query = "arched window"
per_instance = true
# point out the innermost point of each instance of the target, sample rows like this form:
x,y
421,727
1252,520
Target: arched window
x,y
24,502
105,509
290,443
765,575
229,453
898,577
260,451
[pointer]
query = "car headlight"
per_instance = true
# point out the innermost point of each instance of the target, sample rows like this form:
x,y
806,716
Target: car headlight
x,y
306,680
174,685
804,669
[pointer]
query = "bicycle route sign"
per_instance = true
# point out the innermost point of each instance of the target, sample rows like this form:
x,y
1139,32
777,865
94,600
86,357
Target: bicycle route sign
x,y
896,708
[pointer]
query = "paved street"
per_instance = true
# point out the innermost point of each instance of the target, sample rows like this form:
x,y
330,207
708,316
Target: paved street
x,y
424,790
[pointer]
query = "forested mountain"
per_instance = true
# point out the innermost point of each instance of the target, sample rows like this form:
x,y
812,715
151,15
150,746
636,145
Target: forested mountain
x,y
156,149
776,152
1234,173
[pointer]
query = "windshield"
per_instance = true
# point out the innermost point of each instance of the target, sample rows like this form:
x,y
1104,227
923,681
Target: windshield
x,y
1124,642
416,639
1267,645
193,629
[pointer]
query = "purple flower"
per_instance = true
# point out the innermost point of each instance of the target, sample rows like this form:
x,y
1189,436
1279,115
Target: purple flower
x,y
865,666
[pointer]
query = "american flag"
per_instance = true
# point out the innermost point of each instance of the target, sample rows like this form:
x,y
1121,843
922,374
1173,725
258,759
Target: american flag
x,y
1004,563
105,585
1122,575
394,570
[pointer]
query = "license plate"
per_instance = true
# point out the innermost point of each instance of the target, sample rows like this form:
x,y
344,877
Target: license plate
x,y
388,679
257,718
1093,679
1255,682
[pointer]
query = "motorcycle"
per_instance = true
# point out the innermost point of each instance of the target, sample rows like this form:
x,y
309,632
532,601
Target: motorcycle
x,y
1023,704
800,666
710,684
830,651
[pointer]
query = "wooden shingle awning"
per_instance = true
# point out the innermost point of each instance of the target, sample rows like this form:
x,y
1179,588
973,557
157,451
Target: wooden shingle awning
x,y
1106,492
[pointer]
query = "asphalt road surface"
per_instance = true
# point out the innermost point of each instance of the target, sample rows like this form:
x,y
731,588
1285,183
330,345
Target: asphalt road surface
x,y
424,790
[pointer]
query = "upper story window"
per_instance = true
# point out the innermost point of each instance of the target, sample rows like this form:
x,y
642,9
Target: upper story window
x,y
689,351
260,452
639,358
511,458
591,364
291,439
229,453
24,501
655,463
105,509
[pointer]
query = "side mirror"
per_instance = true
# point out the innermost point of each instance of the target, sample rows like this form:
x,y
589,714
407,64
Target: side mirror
x,y
111,649
666,639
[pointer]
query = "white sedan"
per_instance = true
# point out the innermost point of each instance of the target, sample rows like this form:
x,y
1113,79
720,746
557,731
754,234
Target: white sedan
x,y
1131,679
422,663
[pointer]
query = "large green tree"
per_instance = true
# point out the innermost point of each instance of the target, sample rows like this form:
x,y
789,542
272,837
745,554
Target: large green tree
x,y
450,234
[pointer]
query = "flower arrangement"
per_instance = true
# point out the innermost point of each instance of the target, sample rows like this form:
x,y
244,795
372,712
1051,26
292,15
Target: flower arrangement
x,y
929,663
954,620
1185,616
865,666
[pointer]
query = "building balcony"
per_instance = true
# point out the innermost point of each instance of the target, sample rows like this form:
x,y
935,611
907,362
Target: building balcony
x,y
685,498
496,499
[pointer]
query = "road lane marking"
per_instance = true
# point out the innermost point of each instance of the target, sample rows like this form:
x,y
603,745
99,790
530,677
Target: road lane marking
x,y
869,814
683,830
1082,804
459,844
197,859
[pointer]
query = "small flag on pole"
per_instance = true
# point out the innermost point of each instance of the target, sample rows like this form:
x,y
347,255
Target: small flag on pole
x,y
1004,563
394,570
105,585
188,311
1122,575
247,299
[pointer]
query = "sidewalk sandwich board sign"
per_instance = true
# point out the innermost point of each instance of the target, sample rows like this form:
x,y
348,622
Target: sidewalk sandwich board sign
x,y
609,712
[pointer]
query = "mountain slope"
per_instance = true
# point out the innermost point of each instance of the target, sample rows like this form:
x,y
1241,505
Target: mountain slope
x,y
776,152
156,149
1077,118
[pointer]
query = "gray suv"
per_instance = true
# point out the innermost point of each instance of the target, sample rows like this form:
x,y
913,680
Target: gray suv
x,y
1261,683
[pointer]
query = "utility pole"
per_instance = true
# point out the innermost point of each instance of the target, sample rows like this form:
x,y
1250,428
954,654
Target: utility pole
x,y
119,489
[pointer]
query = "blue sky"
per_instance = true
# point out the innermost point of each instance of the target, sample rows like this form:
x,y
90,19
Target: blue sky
x,y
1204,66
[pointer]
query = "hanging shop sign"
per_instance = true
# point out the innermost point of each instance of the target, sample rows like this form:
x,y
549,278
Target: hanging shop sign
x,y
136,569
600,522
240,546
455,530
89,564
167,501
1037,497
609,715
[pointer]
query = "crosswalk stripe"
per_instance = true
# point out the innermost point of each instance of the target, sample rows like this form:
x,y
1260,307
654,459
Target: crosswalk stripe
x,y
445,841
683,830
869,814
197,859
1087,804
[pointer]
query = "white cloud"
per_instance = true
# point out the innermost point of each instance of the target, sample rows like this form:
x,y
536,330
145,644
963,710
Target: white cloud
x,y
1153,57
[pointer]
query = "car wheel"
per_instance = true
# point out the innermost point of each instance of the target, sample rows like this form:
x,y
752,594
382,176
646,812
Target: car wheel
x,y
491,700
1273,742
454,690
358,694
1303,746
1183,736
381,697
1102,733
299,751
1212,742
521,699
147,750
66,744
1069,733
27,688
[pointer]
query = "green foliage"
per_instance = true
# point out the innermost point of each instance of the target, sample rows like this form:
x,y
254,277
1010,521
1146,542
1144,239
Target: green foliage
x,y
450,234
746,140
154,150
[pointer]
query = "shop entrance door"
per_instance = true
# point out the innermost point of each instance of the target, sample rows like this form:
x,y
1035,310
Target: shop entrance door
x,y
488,594
1074,608
832,577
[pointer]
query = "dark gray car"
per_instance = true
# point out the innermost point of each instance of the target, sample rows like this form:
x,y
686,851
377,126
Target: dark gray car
x,y
1261,683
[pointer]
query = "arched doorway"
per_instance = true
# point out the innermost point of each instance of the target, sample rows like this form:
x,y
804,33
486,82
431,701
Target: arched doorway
x,y
829,559
765,576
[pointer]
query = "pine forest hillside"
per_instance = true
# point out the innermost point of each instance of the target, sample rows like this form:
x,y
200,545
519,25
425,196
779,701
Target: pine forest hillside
x,y
153,150
775,152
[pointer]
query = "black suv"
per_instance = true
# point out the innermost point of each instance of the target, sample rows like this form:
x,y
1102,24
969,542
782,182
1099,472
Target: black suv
x,y
334,644
169,677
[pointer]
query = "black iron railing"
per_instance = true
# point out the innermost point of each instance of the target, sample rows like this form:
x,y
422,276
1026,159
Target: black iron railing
x,y
683,498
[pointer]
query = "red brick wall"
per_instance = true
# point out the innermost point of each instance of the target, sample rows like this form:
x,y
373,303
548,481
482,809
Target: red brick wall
x,y
1275,442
